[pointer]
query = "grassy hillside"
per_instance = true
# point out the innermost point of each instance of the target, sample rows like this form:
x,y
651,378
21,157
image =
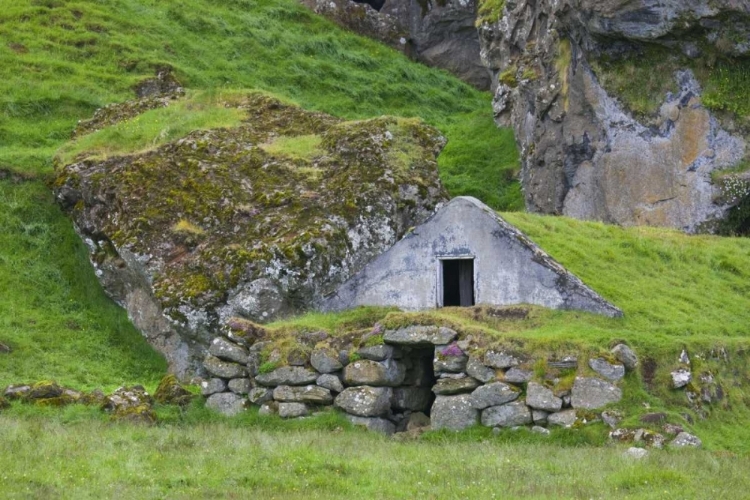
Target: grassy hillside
x,y
60,60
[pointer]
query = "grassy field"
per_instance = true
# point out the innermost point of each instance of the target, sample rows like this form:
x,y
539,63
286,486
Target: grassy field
x,y
222,460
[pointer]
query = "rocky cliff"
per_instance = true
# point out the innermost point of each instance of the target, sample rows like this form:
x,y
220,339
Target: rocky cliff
x,y
627,111
439,33
253,221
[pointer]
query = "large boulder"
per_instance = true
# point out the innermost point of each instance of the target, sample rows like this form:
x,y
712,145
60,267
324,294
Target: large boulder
x,y
508,415
288,375
420,336
494,394
378,373
258,221
226,403
593,150
541,398
312,394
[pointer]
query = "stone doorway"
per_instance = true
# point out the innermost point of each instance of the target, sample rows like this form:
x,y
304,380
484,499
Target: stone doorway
x,y
457,280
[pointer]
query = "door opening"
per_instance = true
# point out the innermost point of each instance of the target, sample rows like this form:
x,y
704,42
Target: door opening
x,y
458,282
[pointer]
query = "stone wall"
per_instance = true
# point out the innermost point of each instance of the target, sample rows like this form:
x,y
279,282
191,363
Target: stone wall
x,y
414,377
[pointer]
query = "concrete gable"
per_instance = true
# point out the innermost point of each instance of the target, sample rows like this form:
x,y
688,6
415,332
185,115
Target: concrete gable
x,y
507,267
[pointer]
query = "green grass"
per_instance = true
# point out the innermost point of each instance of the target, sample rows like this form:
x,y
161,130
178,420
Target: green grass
x,y
59,61
220,460
53,313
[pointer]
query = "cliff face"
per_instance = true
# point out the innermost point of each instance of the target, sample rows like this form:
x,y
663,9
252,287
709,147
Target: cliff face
x,y
439,33
256,221
625,111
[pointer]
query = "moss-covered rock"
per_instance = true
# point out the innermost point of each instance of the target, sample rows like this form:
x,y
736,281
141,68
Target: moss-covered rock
x,y
170,392
4,403
130,404
218,224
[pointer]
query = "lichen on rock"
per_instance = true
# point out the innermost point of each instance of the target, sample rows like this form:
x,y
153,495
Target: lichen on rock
x,y
217,224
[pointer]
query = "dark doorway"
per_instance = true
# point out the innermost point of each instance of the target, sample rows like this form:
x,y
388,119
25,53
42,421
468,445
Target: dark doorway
x,y
375,4
458,282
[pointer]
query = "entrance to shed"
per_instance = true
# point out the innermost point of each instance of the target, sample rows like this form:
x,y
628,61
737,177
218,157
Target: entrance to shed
x,y
458,282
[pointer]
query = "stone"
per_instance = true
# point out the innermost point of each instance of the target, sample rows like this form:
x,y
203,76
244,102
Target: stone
x,y
684,358
228,351
418,420
613,372
636,453
212,386
269,408
330,382
539,416
611,418
297,357
672,429
476,369
566,363
540,430
501,360
44,390
653,439
288,375
447,386
420,336
565,418
681,377
171,392
453,413
226,403
259,395
449,358
516,375
13,392
240,385
365,401
376,352
685,439
593,393
223,369
325,360
626,356
293,410
373,424
411,398
311,394
541,398
389,373
493,394
507,415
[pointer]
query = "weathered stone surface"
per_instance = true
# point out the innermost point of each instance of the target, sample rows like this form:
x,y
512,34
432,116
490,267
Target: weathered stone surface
x,y
517,375
373,424
499,359
259,395
565,363
584,154
507,415
420,336
541,398
330,382
159,255
325,360
16,391
453,412
365,401
540,430
681,378
592,393
449,358
626,356
226,403
288,375
478,370
565,418
411,398
494,394
228,351
446,386
376,352
539,416
223,369
684,439
377,373
613,372
293,410
312,394
240,385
